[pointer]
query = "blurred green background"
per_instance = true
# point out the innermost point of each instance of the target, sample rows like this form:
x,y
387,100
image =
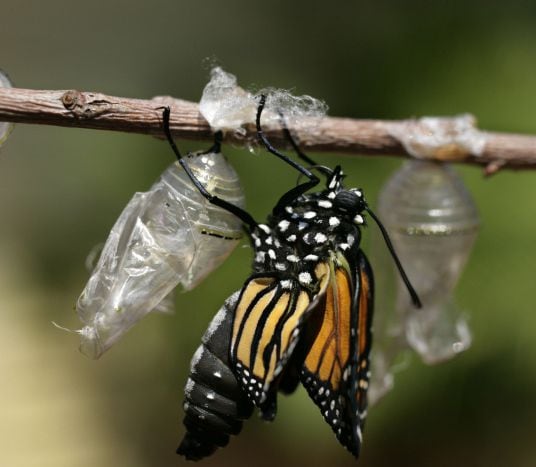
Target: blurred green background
x,y
61,190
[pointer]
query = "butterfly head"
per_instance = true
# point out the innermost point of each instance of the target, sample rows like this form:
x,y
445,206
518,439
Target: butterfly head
x,y
351,204
347,203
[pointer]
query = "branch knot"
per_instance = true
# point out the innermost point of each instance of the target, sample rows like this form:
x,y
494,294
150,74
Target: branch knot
x,y
85,105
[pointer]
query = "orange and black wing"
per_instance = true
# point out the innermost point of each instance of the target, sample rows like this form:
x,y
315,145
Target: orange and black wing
x,y
337,345
268,318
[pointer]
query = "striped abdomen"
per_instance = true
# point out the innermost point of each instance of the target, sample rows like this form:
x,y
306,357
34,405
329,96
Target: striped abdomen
x,y
215,405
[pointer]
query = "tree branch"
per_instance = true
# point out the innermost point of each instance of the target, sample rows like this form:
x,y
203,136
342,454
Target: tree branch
x,y
375,137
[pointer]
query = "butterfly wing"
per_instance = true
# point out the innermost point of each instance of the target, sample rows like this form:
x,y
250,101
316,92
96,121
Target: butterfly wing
x,y
268,318
365,307
335,371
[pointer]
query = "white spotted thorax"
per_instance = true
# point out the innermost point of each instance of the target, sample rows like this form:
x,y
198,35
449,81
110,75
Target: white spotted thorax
x,y
166,236
308,230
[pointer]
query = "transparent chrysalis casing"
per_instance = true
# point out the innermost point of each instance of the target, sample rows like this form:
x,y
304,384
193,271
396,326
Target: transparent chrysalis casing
x,y
5,127
166,236
433,223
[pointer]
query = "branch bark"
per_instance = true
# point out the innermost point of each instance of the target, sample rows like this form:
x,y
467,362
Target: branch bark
x,y
73,108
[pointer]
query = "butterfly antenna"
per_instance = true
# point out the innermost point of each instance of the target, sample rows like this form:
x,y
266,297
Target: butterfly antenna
x,y
414,297
297,191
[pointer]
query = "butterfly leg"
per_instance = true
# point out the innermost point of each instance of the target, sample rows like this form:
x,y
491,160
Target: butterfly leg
x,y
243,215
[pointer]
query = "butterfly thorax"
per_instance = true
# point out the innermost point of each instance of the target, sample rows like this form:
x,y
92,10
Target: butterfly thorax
x,y
306,232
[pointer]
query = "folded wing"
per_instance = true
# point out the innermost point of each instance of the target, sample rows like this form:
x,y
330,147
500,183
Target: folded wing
x,y
268,319
337,344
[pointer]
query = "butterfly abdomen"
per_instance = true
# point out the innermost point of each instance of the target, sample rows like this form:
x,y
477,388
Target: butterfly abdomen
x,y
215,405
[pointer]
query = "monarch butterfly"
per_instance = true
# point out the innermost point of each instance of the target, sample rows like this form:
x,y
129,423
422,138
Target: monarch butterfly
x,y
304,314
168,235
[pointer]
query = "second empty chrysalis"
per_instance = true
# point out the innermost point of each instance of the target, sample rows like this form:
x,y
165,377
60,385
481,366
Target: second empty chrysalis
x,y
433,223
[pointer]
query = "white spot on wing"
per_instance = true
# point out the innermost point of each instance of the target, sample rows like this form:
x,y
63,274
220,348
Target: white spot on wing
x,y
305,278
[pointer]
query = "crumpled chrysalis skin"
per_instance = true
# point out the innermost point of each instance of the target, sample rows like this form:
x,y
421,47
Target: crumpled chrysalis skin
x,y
228,107
433,223
166,236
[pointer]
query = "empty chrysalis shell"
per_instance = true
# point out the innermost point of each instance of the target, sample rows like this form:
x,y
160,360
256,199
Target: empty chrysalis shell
x,y
5,127
433,223
166,236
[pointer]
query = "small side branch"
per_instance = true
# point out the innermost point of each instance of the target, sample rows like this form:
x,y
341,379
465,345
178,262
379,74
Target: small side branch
x,y
339,135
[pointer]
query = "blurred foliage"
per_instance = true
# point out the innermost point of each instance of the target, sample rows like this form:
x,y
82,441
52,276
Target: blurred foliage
x,y
61,189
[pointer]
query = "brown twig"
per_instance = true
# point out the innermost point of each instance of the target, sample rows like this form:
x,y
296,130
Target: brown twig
x,y
342,135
